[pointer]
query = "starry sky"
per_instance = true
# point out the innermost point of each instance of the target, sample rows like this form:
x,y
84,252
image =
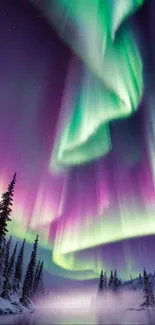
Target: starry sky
x,y
77,125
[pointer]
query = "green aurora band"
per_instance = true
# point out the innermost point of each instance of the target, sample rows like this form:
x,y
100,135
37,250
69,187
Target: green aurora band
x,y
112,83
66,260
110,68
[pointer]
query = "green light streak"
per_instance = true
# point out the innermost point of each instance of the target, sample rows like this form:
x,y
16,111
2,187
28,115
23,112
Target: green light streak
x,y
66,260
112,82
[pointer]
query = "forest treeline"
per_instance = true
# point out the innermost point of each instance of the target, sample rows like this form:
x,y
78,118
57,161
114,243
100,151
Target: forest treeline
x,y
15,283
115,285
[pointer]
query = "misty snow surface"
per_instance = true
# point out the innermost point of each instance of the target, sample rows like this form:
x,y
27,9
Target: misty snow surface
x,y
84,308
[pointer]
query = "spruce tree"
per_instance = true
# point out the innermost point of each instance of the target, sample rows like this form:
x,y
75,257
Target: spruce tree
x,y
111,279
148,296
5,211
19,264
101,282
2,265
151,295
145,290
29,278
37,269
9,274
39,290
7,254
41,280
115,282
35,284
105,281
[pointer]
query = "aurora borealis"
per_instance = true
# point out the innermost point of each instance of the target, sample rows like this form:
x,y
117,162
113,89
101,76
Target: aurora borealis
x,y
110,66
77,110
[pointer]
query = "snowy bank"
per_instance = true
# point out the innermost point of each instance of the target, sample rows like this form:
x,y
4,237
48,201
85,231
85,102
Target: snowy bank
x,y
8,307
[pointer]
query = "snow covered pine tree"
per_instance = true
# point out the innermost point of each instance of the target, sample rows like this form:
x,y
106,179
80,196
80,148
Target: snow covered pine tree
x,y
148,295
27,293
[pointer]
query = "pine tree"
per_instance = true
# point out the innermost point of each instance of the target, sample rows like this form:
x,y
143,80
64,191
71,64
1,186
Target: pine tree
x,y
37,269
3,257
7,254
149,300
41,280
145,290
111,279
105,281
35,284
5,211
101,282
2,265
29,278
19,264
115,282
9,274
151,295
39,290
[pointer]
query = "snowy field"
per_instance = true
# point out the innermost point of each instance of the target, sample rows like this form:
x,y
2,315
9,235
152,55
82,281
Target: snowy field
x,y
81,308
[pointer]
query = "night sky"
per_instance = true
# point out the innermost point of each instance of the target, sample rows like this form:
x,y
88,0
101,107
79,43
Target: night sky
x,y
82,145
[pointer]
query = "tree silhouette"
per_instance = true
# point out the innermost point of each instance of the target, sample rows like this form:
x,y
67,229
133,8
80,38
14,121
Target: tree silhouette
x,y
151,295
19,264
35,284
111,279
105,281
115,282
29,278
41,280
2,263
7,254
9,275
39,289
101,282
145,290
148,295
5,211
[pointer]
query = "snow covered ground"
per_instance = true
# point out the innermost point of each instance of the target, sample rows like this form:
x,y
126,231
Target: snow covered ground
x,y
13,307
83,309
8,307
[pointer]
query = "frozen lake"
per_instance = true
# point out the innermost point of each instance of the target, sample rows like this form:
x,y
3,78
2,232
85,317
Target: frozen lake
x,y
78,309
75,316
48,317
